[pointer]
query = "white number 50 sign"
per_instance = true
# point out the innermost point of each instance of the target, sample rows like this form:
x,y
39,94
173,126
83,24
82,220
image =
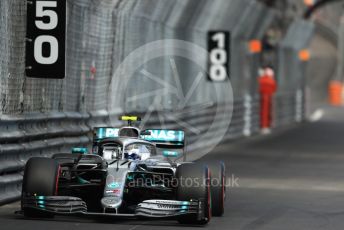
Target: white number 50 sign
x,y
45,56
41,12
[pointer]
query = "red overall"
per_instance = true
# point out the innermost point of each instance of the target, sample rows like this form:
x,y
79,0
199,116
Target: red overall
x,y
267,87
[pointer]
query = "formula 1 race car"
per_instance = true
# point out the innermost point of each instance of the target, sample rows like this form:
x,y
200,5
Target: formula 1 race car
x,y
128,173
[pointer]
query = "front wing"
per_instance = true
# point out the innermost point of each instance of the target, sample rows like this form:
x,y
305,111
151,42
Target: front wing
x,y
67,205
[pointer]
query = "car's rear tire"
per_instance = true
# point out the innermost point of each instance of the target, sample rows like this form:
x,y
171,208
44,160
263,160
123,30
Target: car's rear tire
x,y
194,183
218,188
40,179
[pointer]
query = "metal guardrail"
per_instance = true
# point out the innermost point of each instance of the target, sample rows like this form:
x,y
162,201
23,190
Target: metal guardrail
x,y
244,122
31,135
10,187
288,108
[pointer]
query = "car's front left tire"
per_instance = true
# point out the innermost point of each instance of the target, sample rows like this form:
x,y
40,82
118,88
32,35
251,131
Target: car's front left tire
x,y
40,179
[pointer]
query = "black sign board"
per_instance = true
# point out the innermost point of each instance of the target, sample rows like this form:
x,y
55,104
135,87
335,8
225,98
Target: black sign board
x,y
45,38
219,55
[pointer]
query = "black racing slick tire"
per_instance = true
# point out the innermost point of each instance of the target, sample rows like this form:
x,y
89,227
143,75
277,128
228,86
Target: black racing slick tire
x,y
40,179
218,188
194,183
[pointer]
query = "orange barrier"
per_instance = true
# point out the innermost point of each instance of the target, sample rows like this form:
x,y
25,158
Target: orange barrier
x,y
255,46
304,55
335,90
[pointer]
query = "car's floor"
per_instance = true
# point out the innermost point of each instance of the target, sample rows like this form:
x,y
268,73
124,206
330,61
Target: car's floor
x,y
292,179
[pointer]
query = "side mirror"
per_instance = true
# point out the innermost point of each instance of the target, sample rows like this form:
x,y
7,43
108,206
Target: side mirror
x,y
166,153
79,150
145,133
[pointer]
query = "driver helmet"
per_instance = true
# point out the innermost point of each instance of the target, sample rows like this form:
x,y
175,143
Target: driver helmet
x,y
139,152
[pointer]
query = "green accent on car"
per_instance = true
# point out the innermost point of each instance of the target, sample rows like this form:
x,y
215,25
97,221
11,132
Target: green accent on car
x,y
81,150
165,135
114,185
82,181
41,201
106,132
167,153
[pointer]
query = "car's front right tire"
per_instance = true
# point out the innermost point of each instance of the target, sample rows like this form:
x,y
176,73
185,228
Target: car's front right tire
x,y
218,188
194,183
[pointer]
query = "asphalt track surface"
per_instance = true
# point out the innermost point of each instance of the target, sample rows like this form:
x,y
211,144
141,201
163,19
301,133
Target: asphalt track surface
x,y
291,179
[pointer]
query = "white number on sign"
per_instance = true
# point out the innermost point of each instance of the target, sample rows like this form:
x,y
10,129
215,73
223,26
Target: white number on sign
x,y
42,12
218,58
38,50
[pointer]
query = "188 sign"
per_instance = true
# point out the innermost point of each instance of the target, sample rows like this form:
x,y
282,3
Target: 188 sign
x,y
45,46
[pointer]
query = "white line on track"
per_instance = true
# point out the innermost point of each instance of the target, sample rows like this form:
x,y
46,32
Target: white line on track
x,y
134,227
139,225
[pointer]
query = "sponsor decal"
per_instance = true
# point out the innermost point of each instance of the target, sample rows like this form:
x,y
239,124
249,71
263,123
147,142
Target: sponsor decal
x,y
173,202
164,135
114,192
107,132
113,132
111,201
166,206
114,185
167,153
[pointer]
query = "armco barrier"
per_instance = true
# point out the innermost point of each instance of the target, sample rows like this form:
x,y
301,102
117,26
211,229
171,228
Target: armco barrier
x,y
288,108
31,135
239,126
10,187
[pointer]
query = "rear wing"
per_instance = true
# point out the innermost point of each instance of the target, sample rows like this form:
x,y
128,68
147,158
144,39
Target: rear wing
x,y
105,132
165,138
111,132
162,138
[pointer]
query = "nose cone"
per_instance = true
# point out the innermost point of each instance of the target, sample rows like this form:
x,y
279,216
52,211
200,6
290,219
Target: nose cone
x,y
111,202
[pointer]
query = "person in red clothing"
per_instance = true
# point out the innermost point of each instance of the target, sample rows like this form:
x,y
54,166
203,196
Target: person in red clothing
x,y
267,87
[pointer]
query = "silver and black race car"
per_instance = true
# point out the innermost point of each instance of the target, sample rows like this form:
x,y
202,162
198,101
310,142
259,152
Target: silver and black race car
x,y
128,173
